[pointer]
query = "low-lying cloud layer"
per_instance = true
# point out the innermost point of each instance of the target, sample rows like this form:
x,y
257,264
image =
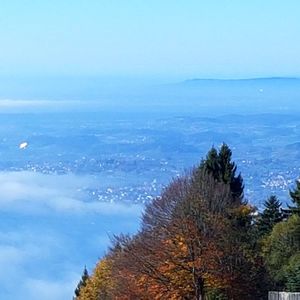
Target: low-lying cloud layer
x,y
49,230
31,192
24,257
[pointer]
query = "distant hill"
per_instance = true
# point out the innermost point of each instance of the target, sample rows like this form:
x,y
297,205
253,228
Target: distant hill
x,y
247,81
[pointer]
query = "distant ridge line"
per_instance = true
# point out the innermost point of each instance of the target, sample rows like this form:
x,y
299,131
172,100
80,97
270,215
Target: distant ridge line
x,y
240,79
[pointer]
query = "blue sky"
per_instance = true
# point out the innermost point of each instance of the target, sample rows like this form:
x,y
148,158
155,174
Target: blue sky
x,y
170,38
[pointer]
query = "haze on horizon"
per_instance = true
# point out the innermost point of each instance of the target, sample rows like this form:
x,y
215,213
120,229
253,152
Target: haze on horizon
x,y
98,95
170,39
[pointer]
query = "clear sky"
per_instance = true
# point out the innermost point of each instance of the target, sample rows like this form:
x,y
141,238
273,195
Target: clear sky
x,y
163,38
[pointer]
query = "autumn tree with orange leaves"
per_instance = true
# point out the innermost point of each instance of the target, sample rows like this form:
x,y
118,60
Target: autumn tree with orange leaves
x,y
195,242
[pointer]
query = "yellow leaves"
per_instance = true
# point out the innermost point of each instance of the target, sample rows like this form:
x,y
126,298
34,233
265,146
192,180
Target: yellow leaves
x,y
100,284
244,210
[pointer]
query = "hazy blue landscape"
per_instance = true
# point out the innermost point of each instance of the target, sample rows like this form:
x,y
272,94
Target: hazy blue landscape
x,y
90,164
104,103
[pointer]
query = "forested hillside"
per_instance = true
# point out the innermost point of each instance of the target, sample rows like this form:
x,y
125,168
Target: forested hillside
x,y
200,239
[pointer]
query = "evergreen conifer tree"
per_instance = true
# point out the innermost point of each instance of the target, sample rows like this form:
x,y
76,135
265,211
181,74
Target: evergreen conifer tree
x,y
226,166
295,196
82,283
211,163
219,164
270,216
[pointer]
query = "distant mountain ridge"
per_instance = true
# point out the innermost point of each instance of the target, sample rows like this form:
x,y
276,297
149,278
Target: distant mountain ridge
x,y
258,79
259,84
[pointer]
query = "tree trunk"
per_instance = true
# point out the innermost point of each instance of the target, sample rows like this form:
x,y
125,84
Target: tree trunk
x,y
200,289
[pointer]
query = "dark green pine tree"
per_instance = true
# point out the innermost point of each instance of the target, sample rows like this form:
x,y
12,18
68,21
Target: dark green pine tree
x,y
223,169
270,216
228,172
211,163
82,283
226,166
295,195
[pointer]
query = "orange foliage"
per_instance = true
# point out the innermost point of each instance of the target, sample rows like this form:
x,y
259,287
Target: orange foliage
x,y
188,245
